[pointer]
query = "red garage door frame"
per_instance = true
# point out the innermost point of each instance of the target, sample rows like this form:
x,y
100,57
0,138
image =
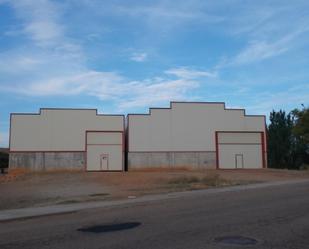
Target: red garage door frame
x,y
104,131
262,145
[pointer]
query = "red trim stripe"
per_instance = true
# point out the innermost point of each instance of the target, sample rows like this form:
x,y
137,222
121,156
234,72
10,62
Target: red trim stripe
x,y
262,144
262,149
96,131
217,150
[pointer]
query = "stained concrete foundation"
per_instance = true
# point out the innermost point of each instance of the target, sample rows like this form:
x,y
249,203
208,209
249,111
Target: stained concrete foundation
x,y
40,161
198,160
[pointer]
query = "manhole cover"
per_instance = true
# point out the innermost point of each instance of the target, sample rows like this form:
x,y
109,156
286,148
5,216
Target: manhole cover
x,y
236,240
110,227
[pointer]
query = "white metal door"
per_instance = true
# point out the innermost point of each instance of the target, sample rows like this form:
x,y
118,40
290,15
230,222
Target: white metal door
x,y
104,161
239,161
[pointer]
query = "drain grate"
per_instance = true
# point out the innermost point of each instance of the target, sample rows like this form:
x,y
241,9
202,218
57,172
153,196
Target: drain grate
x,y
110,227
236,240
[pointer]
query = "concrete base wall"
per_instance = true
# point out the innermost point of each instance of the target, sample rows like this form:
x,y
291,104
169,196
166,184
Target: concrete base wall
x,y
205,160
41,161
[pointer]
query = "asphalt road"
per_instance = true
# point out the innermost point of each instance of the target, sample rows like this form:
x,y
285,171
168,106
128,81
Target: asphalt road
x,y
272,217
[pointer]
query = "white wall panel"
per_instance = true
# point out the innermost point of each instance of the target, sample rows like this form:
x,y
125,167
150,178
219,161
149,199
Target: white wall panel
x,y
58,129
104,138
239,138
187,127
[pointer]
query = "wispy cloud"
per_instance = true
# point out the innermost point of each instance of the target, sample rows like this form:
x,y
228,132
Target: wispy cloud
x,y
157,16
139,57
11,63
89,82
153,92
257,51
260,50
61,71
72,48
187,73
41,20
266,30
287,99
168,10
114,87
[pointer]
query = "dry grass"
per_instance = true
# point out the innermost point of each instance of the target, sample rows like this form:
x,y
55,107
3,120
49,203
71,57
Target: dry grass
x,y
196,182
21,188
184,180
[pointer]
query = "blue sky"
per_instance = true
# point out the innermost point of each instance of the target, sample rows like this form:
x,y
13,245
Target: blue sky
x,y
126,56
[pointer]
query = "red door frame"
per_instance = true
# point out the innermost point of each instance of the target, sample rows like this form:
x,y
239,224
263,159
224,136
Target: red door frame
x,y
122,156
262,145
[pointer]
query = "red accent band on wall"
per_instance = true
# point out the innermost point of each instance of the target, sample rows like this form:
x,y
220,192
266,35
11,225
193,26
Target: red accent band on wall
x,y
262,144
263,149
217,150
95,131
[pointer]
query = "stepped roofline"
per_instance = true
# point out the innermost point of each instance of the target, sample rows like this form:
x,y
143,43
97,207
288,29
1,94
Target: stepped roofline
x,y
197,102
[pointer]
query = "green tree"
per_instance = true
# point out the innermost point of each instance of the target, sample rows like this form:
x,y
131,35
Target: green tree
x,y
301,124
301,136
280,140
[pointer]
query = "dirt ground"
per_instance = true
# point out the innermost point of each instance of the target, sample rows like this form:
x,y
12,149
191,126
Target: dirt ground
x,y
27,189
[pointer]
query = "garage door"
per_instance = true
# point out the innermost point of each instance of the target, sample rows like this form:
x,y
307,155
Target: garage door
x,y
104,151
239,150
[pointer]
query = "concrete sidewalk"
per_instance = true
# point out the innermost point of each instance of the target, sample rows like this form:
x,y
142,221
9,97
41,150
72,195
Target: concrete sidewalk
x,y
23,213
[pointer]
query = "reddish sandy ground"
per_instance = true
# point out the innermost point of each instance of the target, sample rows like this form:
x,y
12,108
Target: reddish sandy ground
x,y
20,188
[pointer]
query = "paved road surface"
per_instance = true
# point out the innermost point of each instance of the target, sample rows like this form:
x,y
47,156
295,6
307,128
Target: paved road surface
x,y
276,217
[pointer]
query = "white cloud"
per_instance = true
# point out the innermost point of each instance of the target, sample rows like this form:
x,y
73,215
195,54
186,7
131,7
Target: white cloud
x,y
10,63
265,29
139,57
287,100
143,94
162,11
56,64
58,67
187,73
43,31
114,87
89,82
259,50
41,20
158,17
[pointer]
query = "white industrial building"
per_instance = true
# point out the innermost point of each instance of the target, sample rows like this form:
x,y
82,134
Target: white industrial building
x,y
197,135
67,139
187,134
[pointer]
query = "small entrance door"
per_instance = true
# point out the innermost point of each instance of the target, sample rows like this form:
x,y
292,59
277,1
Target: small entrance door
x,y
239,161
104,162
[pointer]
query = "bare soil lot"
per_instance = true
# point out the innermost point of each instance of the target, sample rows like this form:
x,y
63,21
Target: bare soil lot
x,y
26,189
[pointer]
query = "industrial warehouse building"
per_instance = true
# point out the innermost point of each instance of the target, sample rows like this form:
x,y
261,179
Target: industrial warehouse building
x,y
187,134
67,139
196,134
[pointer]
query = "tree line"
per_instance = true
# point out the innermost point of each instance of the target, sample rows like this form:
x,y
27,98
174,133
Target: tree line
x,y
288,139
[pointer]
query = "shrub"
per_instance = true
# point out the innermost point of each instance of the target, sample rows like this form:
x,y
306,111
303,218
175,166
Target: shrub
x,y
4,160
